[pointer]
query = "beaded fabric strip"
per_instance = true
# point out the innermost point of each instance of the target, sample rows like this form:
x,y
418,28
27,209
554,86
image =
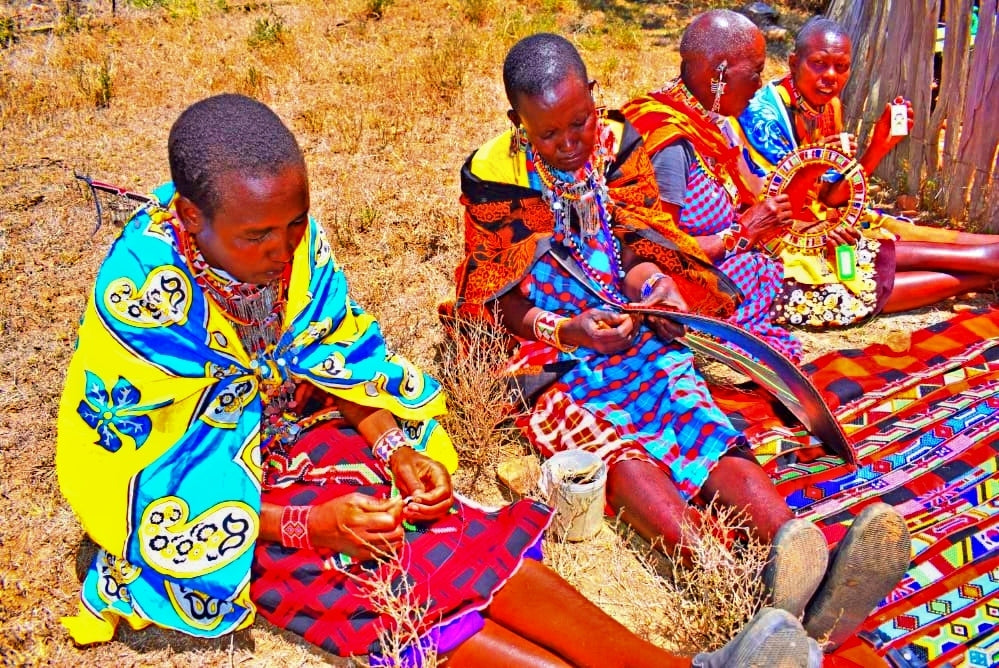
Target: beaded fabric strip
x,y
388,443
295,527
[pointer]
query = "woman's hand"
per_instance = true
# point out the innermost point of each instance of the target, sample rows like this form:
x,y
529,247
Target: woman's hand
x,y
882,140
665,293
607,332
847,147
424,481
359,525
842,235
764,220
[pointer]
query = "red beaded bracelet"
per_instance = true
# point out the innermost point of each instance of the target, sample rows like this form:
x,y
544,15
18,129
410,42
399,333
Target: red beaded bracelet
x,y
295,526
546,330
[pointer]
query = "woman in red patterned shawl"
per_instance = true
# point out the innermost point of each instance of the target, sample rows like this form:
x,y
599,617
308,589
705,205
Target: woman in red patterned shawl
x,y
563,226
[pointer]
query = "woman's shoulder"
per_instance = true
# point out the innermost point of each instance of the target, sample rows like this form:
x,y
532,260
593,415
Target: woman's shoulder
x,y
495,161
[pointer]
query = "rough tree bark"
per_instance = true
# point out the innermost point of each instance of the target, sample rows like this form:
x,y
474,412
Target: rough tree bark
x,y
951,156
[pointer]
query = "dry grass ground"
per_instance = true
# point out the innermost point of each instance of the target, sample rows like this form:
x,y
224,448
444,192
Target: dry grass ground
x,y
387,98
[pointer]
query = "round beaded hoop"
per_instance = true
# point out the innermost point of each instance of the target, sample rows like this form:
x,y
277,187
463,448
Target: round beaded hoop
x,y
810,237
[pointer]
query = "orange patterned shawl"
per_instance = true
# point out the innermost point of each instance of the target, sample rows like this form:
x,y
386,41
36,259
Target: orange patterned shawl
x,y
665,116
508,225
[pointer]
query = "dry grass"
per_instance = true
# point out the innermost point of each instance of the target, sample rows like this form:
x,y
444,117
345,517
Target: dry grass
x,y
480,401
387,99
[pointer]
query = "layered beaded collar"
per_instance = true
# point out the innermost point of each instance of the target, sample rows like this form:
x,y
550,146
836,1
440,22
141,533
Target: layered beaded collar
x,y
800,104
584,192
256,311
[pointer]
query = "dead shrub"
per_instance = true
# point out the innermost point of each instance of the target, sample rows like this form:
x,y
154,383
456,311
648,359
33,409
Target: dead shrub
x,y
481,401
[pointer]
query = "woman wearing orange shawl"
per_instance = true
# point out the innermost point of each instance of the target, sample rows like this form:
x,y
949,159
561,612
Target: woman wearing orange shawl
x,y
697,165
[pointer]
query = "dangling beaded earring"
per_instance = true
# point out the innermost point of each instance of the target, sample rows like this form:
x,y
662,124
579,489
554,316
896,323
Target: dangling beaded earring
x,y
596,94
718,85
518,140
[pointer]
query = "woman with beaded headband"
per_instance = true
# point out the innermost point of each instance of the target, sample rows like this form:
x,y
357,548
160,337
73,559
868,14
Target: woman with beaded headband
x,y
563,222
697,165
236,437
901,266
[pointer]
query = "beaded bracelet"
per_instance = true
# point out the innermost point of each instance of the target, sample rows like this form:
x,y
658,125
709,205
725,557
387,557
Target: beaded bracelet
x,y
546,330
388,443
733,240
295,526
650,284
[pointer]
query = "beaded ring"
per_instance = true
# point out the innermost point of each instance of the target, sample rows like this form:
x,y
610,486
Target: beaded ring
x,y
650,284
295,527
811,240
733,240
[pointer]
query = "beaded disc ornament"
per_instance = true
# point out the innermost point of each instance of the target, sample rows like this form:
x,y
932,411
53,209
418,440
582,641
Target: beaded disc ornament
x,y
797,175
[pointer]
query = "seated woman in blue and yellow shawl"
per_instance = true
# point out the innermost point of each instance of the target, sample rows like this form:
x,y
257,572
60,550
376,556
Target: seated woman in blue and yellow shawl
x,y
236,437
900,265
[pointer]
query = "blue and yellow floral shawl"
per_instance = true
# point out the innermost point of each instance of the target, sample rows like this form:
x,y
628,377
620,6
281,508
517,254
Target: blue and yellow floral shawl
x,y
159,425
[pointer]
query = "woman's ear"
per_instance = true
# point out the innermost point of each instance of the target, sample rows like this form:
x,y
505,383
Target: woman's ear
x,y
190,215
514,117
792,61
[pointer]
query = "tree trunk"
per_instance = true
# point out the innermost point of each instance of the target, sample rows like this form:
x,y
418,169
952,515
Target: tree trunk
x,y
951,156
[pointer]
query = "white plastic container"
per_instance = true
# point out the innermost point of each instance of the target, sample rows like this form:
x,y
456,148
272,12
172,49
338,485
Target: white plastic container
x,y
575,483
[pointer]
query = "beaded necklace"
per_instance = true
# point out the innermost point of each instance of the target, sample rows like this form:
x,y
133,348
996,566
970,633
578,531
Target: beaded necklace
x,y
806,117
595,249
256,311
802,105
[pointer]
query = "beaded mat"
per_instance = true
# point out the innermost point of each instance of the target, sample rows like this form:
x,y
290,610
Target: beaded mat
x,y
924,424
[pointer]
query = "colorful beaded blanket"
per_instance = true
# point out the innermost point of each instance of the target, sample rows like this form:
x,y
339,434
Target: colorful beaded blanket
x,y
924,423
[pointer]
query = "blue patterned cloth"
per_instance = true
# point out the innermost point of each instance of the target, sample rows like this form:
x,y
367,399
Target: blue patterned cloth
x,y
767,128
651,393
160,424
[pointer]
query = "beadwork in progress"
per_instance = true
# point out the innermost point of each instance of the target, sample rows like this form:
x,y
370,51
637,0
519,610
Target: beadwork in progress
x,y
809,236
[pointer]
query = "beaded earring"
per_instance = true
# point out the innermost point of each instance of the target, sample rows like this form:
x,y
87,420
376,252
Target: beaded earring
x,y
518,140
718,85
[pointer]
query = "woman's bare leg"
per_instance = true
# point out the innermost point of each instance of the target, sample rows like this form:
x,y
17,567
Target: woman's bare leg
x,y
907,231
495,645
742,483
947,258
915,289
650,503
540,606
